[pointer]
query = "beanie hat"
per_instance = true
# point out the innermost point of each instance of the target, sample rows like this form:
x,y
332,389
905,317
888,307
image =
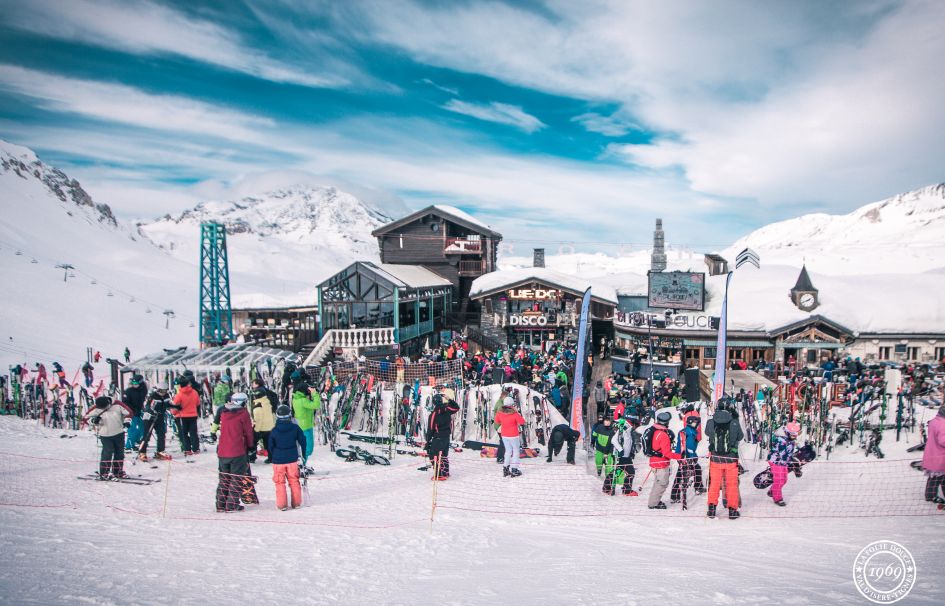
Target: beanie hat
x,y
664,418
103,402
793,428
283,412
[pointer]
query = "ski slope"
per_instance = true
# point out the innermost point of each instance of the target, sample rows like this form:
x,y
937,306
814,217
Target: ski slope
x,y
365,534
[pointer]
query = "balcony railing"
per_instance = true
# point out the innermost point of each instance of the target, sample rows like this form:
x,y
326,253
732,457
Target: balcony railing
x,y
472,268
462,246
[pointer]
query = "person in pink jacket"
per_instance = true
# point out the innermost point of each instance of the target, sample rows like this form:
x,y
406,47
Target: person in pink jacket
x,y
933,458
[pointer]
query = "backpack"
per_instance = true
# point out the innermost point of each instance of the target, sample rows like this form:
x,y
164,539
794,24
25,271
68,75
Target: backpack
x,y
647,441
720,442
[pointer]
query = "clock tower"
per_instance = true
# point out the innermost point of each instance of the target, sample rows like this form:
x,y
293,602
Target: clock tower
x,y
804,295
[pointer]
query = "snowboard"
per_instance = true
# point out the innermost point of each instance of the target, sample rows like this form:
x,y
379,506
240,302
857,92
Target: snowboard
x,y
129,480
357,437
491,452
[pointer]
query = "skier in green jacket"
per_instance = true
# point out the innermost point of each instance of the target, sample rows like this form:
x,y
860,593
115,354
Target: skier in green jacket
x,y
305,401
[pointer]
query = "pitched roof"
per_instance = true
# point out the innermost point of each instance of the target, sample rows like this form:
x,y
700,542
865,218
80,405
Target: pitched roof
x,y
501,280
410,276
803,282
450,213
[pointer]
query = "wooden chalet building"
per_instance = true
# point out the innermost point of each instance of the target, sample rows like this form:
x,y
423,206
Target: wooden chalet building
x,y
445,240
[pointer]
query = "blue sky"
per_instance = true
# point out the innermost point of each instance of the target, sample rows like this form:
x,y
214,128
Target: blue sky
x,y
556,121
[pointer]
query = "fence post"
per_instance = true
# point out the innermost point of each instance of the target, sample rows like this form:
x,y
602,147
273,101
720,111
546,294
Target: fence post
x,y
436,474
167,481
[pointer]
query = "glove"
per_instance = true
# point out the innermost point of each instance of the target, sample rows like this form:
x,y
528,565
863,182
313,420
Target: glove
x,y
126,424
95,420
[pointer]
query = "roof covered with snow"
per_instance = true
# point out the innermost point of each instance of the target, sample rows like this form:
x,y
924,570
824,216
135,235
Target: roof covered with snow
x,y
759,299
409,276
450,213
210,359
508,278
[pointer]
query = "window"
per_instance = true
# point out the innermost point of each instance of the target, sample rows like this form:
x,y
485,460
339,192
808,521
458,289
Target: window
x,y
913,353
709,352
692,354
885,353
811,356
939,354
757,354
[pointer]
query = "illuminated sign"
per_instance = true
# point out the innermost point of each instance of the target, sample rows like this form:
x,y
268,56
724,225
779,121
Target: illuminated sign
x,y
534,294
528,320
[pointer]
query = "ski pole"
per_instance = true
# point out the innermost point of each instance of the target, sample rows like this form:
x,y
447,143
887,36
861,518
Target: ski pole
x,y
640,489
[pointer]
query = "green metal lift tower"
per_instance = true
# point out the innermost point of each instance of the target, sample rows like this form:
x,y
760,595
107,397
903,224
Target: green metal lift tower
x,y
216,313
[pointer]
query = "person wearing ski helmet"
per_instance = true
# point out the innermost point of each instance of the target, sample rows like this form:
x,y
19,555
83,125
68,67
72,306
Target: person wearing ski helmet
x,y
286,440
305,401
236,439
686,444
110,418
660,462
602,436
780,458
723,433
510,421
561,434
626,441
439,429
155,423
135,395
505,399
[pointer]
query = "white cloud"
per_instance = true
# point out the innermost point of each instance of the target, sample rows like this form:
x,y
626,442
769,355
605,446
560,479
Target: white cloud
x,y
501,113
144,27
126,105
773,101
445,89
611,126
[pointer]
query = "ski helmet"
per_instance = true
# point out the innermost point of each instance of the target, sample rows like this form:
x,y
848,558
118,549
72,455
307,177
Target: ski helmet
x,y
103,402
137,379
239,399
182,381
437,400
283,412
301,386
664,418
793,428
692,420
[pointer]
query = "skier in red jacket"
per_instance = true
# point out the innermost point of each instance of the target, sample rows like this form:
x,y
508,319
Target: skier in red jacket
x,y
659,465
185,411
236,440
510,420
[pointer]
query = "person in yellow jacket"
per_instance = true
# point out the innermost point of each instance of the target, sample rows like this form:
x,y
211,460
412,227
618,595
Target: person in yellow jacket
x,y
263,420
305,401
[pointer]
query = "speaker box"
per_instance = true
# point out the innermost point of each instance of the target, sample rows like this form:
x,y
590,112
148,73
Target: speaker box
x,y
692,385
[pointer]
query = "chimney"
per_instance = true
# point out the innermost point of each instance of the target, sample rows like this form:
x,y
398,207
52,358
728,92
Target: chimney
x,y
538,259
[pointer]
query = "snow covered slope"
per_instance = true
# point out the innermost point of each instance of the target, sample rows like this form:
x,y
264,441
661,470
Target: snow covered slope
x,y
280,244
903,234
47,220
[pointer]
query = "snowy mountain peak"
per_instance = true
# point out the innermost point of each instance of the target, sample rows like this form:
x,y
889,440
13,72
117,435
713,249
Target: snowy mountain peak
x,y
288,213
900,234
23,163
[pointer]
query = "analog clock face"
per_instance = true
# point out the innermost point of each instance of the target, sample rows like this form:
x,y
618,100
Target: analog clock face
x,y
435,227
807,301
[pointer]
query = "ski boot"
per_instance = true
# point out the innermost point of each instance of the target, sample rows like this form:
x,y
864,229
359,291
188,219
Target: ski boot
x,y
505,472
733,513
163,456
711,512
102,477
143,457
780,503
629,492
515,473
660,505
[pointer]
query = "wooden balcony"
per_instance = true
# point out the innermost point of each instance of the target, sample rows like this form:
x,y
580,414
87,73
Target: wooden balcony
x,y
472,268
463,246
